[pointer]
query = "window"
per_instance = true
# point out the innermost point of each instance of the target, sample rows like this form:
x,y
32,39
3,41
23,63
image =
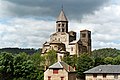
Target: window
x,y
62,30
58,30
62,78
104,75
84,35
55,71
62,25
71,48
58,39
49,77
94,75
116,76
58,25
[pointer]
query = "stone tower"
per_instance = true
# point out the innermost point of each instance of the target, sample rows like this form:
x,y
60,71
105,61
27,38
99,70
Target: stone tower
x,y
85,37
62,22
64,41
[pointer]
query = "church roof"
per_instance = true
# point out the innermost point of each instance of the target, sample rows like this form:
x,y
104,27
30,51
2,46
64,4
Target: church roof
x,y
55,42
62,16
84,30
62,65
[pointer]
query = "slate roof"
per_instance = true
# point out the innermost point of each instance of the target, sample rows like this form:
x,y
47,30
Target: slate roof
x,y
62,65
104,69
62,16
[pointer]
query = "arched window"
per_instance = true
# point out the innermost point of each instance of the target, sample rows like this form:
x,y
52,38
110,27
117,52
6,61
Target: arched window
x,y
58,30
63,25
62,29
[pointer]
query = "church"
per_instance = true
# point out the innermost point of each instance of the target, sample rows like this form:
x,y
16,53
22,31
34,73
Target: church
x,y
64,41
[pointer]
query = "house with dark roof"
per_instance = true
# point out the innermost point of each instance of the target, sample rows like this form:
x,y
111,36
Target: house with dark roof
x,y
103,72
60,71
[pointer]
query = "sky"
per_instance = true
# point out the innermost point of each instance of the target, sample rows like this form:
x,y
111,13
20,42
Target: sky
x,y
29,23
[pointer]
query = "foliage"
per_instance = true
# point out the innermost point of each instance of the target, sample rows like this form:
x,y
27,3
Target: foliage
x,y
23,66
70,60
105,52
19,67
98,61
108,60
6,66
50,57
84,63
116,60
19,50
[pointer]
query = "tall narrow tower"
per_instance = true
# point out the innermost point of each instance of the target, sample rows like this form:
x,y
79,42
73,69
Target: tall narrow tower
x,y
85,37
62,22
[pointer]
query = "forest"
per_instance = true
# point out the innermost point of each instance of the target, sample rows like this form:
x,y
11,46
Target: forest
x,y
31,66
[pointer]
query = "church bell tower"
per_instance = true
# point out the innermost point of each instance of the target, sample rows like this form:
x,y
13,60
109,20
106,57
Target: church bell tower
x,y
62,23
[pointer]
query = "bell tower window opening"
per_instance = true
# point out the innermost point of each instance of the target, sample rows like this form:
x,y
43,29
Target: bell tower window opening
x,y
58,25
58,30
63,25
83,35
63,30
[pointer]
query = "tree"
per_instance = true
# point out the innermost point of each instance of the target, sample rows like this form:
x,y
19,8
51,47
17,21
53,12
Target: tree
x,y
24,67
116,60
98,61
84,63
50,57
70,60
39,62
6,66
105,52
108,60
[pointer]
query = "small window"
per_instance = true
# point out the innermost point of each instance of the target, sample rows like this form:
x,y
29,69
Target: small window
x,y
62,78
62,25
58,30
55,71
58,39
94,75
49,77
83,35
116,76
104,75
62,30
71,48
58,25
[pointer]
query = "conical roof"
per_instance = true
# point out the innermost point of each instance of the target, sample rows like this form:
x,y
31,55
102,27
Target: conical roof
x,y
62,16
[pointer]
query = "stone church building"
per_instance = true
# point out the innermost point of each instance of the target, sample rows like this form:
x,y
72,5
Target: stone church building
x,y
64,41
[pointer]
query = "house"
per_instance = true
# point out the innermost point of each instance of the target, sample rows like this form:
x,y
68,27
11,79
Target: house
x,y
103,72
60,71
65,41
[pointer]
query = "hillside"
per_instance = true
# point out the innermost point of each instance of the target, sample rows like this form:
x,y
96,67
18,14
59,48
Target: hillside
x,y
20,50
105,52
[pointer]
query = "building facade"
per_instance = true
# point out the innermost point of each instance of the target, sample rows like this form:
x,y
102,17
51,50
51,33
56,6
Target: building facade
x,y
65,41
60,71
103,72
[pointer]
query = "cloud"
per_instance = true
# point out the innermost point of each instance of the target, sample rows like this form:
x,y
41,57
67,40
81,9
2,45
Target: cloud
x,y
28,23
105,26
25,32
75,9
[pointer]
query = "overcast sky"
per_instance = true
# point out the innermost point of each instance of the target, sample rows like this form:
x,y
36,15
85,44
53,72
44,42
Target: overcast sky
x,y
29,23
